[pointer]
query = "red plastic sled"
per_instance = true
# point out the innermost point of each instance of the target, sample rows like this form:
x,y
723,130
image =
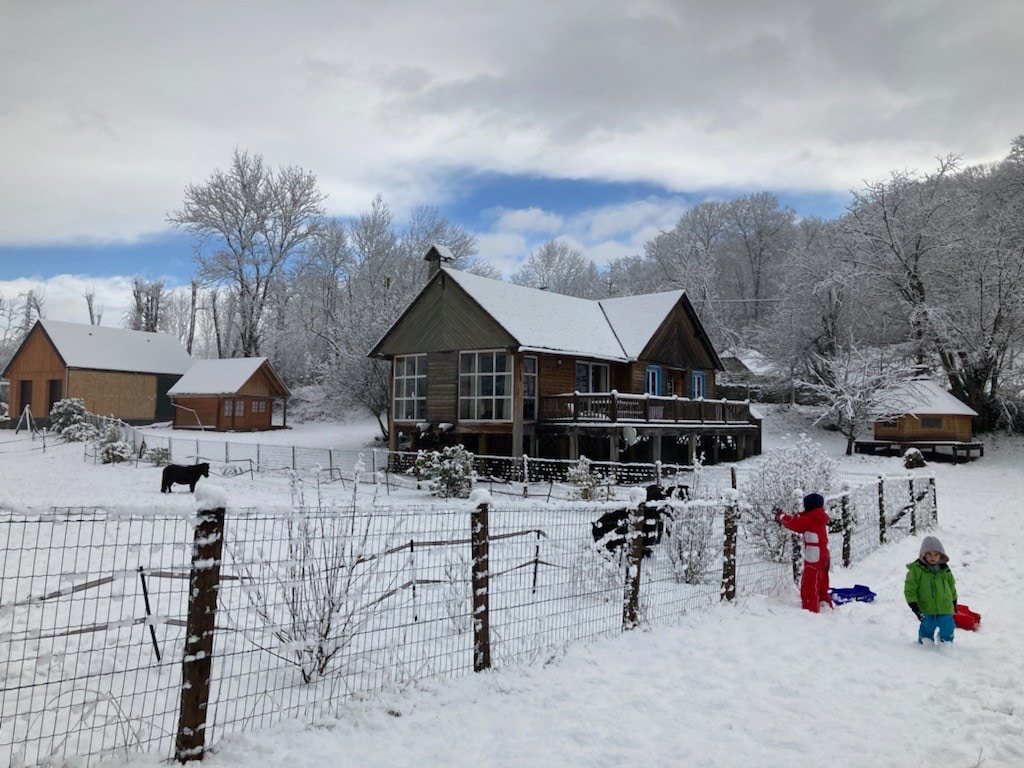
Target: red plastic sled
x,y
965,618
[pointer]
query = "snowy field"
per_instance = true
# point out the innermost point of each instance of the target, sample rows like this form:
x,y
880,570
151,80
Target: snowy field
x,y
756,683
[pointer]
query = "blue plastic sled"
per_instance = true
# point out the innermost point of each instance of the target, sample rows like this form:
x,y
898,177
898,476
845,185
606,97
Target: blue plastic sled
x,y
858,593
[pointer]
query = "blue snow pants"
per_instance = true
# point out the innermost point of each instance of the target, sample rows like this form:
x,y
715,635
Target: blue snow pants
x,y
940,621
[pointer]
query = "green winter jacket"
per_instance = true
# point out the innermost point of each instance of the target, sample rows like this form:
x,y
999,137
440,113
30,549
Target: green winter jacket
x,y
933,591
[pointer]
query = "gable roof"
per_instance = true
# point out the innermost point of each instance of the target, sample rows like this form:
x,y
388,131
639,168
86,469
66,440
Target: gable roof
x,y
226,377
99,347
541,321
922,397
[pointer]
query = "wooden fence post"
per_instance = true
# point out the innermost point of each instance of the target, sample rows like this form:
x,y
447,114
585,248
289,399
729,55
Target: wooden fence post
x,y
881,509
479,537
634,547
847,521
197,663
935,505
913,507
731,533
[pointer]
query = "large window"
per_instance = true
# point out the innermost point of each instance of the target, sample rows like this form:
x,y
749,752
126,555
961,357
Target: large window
x,y
485,386
410,388
529,388
592,377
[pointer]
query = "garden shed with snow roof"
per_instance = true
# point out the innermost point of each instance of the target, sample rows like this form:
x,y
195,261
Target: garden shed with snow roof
x,y
116,372
507,370
234,394
922,414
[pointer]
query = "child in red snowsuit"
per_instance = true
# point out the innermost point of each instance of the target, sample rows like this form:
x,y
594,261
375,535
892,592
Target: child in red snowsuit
x,y
813,525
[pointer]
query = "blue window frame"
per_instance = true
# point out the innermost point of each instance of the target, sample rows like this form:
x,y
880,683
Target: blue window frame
x,y
653,385
697,385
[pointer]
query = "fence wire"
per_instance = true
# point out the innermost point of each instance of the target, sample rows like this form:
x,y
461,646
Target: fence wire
x,y
319,606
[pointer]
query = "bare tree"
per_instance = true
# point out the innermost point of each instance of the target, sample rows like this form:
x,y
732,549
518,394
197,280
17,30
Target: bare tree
x,y
559,267
95,317
249,222
149,299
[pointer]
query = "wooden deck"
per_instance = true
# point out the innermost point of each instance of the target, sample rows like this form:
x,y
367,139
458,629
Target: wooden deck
x,y
961,450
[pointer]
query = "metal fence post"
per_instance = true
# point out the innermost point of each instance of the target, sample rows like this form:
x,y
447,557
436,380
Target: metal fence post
x,y
480,550
197,663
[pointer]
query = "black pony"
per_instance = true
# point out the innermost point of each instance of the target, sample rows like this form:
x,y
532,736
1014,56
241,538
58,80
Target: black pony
x,y
175,473
610,529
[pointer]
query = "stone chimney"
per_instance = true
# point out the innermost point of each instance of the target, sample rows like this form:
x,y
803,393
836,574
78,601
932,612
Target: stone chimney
x,y
438,256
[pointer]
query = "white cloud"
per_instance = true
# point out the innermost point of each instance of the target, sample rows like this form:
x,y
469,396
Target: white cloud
x,y
63,296
111,109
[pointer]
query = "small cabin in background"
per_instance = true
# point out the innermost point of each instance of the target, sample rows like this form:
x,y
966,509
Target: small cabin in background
x,y
116,372
236,394
922,414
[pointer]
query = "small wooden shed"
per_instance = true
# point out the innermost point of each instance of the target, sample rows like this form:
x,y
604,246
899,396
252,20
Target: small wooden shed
x,y
234,394
921,410
921,414
116,372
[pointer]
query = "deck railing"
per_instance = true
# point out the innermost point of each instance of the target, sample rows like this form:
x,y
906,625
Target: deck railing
x,y
615,406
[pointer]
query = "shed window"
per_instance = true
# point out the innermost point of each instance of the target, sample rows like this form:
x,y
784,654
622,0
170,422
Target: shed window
x,y
410,399
259,406
931,422
485,386
229,407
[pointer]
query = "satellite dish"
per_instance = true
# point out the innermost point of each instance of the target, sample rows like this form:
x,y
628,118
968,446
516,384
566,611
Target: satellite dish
x,y
630,436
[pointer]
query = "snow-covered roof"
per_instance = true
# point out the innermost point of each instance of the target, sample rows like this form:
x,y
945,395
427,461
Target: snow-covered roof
x,y
922,397
99,347
217,377
610,329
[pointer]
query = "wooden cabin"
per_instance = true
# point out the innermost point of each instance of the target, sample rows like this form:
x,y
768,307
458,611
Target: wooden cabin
x,y
237,394
922,414
507,370
116,372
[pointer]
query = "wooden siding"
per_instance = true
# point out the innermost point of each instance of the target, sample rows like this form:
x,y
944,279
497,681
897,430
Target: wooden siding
x,y
208,413
950,427
38,362
130,396
676,345
444,319
196,412
443,387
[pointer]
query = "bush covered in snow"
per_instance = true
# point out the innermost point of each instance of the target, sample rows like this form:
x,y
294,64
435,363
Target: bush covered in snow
x,y
586,481
113,449
448,473
779,482
67,413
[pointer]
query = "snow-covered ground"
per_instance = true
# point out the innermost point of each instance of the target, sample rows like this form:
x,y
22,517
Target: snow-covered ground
x,y
758,683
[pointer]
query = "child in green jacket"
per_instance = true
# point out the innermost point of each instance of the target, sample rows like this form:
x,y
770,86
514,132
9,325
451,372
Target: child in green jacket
x,y
930,590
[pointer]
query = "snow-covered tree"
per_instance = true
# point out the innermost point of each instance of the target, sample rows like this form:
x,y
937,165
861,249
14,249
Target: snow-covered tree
x,y
249,222
559,267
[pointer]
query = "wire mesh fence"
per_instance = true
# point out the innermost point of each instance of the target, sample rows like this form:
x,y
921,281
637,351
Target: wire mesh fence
x,y
317,606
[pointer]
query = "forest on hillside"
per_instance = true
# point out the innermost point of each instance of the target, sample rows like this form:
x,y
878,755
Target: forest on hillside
x,y
922,275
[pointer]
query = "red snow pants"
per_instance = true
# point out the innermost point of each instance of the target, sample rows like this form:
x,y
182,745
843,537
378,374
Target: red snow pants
x,y
814,585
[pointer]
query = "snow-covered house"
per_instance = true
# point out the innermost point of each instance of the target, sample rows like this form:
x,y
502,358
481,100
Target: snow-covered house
x,y
507,370
116,372
233,394
921,413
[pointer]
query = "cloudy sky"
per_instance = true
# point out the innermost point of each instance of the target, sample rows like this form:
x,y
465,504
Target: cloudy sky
x,y
597,122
